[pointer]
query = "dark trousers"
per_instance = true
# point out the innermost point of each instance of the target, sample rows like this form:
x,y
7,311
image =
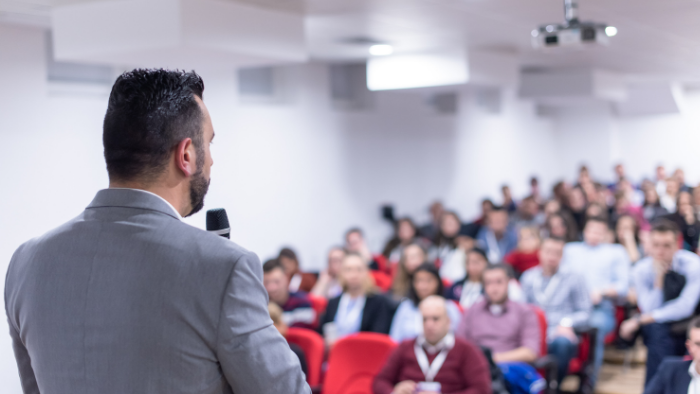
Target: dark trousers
x,y
660,343
564,350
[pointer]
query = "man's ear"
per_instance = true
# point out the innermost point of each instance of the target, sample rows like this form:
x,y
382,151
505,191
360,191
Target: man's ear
x,y
185,157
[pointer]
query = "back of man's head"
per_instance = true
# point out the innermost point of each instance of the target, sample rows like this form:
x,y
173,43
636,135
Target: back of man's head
x,y
149,113
693,342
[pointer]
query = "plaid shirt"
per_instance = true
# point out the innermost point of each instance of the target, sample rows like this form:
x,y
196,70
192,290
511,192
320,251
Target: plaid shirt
x,y
561,296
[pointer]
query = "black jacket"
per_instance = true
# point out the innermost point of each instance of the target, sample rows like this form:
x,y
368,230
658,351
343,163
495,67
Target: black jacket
x,y
376,316
672,377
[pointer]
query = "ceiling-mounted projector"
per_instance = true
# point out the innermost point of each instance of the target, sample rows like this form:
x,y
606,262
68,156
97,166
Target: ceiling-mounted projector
x,y
572,33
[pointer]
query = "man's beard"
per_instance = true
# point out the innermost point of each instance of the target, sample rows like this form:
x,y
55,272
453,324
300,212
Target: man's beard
x,y
199,186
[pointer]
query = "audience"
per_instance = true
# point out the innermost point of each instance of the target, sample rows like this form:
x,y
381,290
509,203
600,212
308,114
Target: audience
x,y
435,358
606,270
668,288
497,238
412,257
469,289
296,306
276,316
526,255
407,320
676,376
517,339
563,297
358,308
297,280
593,234
328,285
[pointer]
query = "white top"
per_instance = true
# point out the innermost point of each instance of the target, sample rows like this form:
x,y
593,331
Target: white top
x,y
177,214
694,386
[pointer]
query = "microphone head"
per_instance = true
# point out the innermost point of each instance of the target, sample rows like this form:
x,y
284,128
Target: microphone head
x,y
217,222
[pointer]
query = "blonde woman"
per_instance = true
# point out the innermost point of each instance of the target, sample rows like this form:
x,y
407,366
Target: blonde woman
x,y
358,308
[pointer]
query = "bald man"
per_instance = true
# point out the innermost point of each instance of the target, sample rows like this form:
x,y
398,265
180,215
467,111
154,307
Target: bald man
x,y
436,361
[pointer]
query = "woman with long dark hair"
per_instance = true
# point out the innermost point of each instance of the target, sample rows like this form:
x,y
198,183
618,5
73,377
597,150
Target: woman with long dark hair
x,y
408,322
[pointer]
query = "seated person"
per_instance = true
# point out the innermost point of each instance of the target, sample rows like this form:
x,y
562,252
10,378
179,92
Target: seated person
x,y
296,307
526,255
412,257
407,323
446,252
660,297
528,214
677,376
327,285
358,308
469,289
497,238
276,316
436,357
517,339
381,271
297,280
606,269
564,298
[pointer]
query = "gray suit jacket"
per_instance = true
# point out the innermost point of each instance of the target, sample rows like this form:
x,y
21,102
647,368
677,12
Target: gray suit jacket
x,y
126,298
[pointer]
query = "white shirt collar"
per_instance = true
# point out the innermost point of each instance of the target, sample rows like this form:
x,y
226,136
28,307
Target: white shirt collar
x,y
177,214
693,371
448,342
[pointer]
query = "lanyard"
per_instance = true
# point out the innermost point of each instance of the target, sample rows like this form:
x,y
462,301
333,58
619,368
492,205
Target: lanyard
x,y
349,315
430,370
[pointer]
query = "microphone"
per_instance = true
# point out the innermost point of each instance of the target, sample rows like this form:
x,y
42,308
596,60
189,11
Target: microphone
x,y
217,222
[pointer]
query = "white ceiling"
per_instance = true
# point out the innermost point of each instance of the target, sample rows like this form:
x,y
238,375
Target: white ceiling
x,y
659,38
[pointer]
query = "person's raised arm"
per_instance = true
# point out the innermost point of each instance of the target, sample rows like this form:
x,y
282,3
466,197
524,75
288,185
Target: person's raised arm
x,y
254,357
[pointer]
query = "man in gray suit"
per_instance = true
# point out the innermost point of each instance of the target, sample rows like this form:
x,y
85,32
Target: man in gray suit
x,y
126,298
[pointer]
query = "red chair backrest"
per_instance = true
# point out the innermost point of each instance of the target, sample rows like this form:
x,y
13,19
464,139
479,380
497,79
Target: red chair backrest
x,y
319,304
313,346
354,361
542,320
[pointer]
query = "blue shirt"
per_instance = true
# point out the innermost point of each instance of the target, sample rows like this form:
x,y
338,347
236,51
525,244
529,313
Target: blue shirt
x,y
651,299
497,249
606,266
408,321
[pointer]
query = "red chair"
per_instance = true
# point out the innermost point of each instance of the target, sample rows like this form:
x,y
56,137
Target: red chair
x,y
313,346
582,364
319,304
354,361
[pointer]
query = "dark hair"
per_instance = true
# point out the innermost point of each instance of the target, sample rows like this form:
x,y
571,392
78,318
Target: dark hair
x,y
431,269
480,251
354,230
149,112
665,226
395,241
553,239
500,266
288,253
694,324
597,219
271,265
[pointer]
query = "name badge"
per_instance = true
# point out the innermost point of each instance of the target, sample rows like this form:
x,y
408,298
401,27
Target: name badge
x,y
434,387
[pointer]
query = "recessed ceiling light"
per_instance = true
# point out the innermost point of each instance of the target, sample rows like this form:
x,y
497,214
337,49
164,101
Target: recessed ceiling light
x,y
381,50
611,31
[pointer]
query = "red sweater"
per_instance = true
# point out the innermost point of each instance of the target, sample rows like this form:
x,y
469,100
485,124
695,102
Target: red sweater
x,y
521,261
465,370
